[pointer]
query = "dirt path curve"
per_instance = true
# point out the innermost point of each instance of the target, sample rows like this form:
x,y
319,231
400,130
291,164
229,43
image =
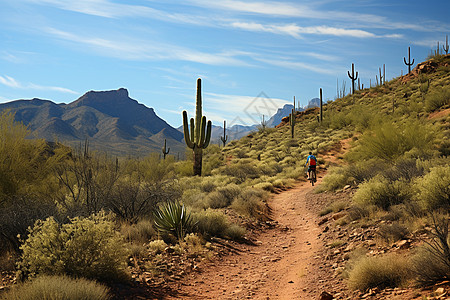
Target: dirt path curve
x,y
280,265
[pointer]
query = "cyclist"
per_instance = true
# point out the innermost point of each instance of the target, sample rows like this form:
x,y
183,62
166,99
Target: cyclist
x,y
311,162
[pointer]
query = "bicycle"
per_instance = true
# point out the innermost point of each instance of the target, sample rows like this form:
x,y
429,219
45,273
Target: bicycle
x,y
312,176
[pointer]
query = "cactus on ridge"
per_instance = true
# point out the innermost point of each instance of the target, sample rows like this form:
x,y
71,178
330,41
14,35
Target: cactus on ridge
x,y
446,45
409,63
292,122
199,135
353,77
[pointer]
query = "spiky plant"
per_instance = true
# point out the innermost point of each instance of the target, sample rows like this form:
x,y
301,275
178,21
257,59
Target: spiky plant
x,y
200,131
224,138
171,217
165,150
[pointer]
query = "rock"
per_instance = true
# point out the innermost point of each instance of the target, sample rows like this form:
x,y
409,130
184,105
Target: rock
x,y
403,244
325,296
326,229
338,215
439,291
323,221
347,187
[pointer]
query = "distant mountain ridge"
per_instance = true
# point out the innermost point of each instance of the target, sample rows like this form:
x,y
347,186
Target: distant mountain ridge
x,y
111,120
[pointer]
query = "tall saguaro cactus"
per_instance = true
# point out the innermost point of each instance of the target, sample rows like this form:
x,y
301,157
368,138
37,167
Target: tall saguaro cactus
x,y
446,45
321,105
292,122
224,138
165,150
409,63
353,77
199,135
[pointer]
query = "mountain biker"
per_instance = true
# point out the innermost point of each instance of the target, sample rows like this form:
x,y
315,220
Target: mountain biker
x,y
311,162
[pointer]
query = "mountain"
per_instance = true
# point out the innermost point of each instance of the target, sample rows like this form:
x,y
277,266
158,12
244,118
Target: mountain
x,y
110,120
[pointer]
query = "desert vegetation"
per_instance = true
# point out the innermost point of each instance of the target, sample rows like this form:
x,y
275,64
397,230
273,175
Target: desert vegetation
x,y
83,215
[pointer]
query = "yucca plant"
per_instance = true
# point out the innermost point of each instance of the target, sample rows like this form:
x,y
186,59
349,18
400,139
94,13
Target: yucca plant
x,y
172,217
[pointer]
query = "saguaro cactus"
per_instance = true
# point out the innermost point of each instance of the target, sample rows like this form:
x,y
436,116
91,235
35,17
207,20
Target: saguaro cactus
x,y
292,122
165,150
353,77
200,132
321,104
224,138
446,45
409,63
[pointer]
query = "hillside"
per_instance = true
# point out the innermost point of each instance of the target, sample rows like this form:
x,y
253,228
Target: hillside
x,y
110,120
374,227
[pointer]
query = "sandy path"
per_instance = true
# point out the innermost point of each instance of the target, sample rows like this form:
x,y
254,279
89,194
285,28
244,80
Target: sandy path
x,y
277,267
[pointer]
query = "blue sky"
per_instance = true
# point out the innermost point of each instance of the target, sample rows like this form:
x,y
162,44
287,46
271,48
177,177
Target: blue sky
x,y
253,56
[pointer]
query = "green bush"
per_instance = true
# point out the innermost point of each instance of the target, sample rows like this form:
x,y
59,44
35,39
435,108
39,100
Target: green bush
x,y
382,272
235,232
389,141
210,222
437,98
250,203
381,192
84,247
58,288
434,188
223,196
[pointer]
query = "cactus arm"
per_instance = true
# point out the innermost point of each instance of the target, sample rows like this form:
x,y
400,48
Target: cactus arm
x,y
202,133
192,133
187,139
208,134
350,76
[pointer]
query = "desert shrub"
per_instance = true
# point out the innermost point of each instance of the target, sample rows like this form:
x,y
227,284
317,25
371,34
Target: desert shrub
x,y
140,232
58,288
84,247
235,232
17,216
223,196
356,212
439,97
431,263
381,192
157,246
382,272
334,180
210,222
390,141
208,187
172,218
361,171
434,188
391,233
266,186
132,199
184,168
406,168
241,171
250,203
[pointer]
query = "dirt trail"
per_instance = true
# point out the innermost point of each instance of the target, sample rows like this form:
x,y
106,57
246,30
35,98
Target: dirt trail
x,y
280,265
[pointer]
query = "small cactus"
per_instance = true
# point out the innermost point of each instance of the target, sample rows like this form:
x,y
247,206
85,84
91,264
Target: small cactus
x,y
446,45
409,63
199,135
224,138
353,77
165,150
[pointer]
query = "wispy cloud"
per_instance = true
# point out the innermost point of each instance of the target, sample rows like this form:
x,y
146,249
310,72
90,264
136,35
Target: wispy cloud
x,y
143,50
13,83
296,65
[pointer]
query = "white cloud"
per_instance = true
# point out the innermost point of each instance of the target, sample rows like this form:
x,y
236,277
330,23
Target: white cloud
x,y
11,82
142,50
289,64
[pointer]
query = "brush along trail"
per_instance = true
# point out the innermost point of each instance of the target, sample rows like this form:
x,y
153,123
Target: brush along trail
x,y
282,264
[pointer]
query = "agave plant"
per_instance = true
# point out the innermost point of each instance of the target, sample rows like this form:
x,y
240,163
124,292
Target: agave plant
x,y
172,217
